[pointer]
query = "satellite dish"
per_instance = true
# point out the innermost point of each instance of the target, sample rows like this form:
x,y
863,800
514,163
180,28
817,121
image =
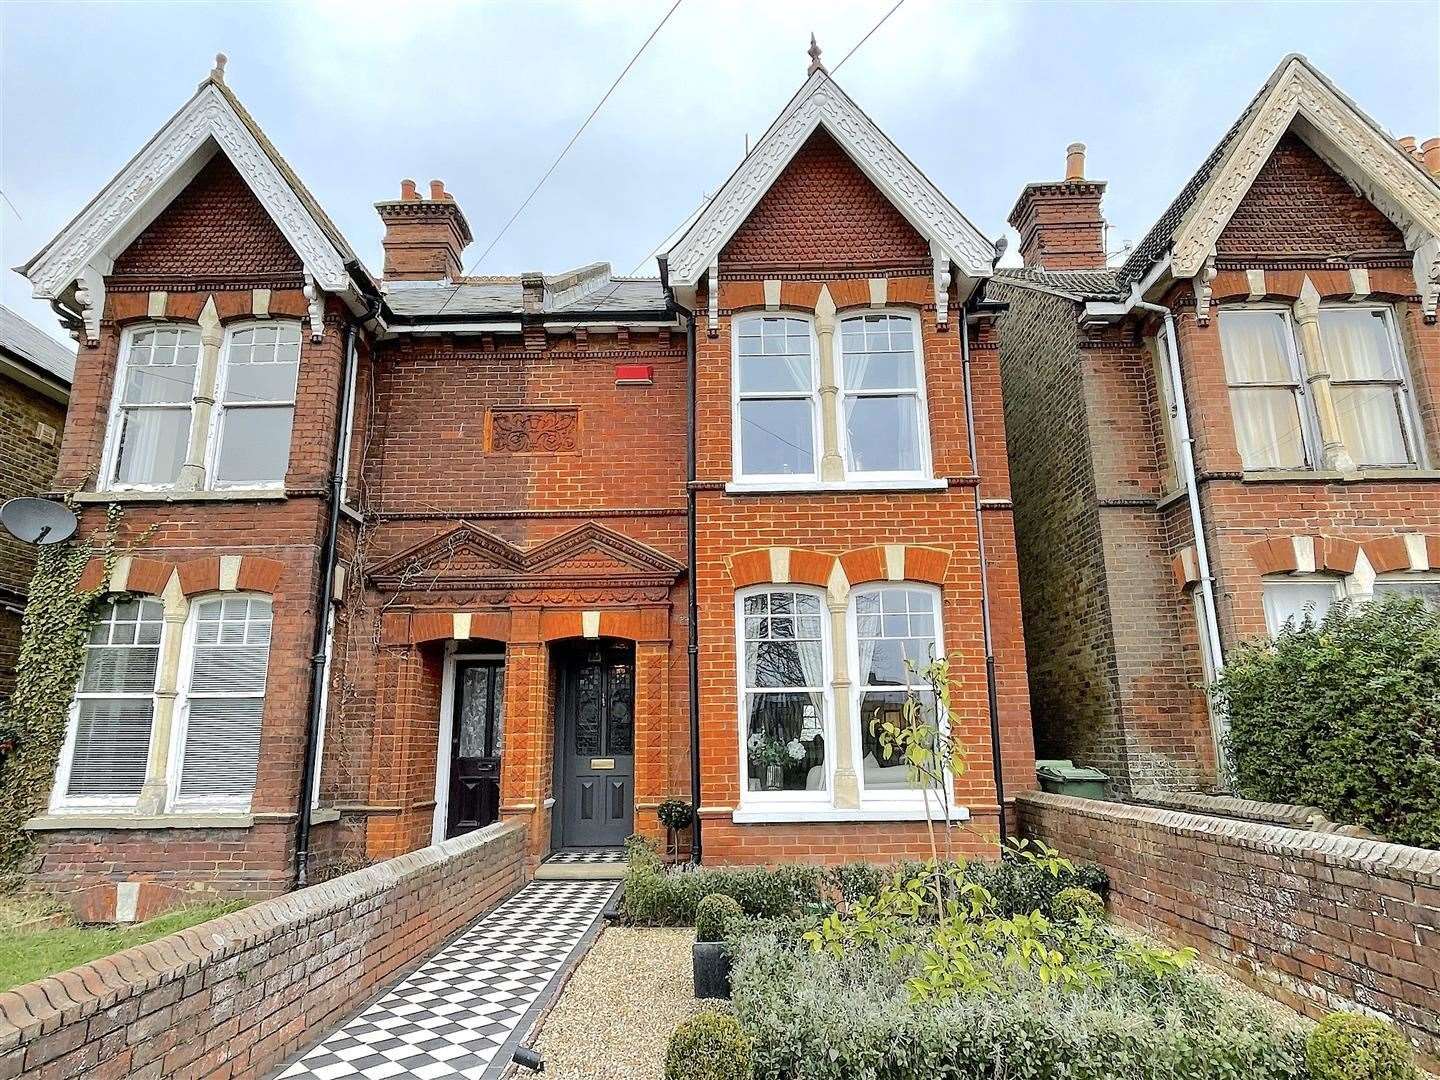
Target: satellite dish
x,y
37,521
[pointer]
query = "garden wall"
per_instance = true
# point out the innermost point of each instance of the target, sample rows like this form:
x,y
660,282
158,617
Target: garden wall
x,y
236,996
1316,920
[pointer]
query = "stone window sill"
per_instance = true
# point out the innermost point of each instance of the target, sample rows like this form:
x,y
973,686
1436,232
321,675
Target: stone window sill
x,y
1330,476
227,495
103,820
802,815
817,487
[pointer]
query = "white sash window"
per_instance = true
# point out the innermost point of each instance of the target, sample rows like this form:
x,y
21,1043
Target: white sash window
x,y
884,427
776,428
155,394
257,405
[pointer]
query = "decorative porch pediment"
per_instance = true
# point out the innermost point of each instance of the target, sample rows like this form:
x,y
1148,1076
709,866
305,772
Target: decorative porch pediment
x,y
587,557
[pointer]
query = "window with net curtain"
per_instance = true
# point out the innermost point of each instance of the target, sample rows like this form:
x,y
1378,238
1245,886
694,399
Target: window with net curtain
x,y
896,634
224,698
883,414
784,637
1367,382
257,405
114,706
776,403
156,395
1294,600
1263,373
1424,587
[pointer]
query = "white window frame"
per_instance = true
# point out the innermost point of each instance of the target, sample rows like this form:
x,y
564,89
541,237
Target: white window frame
x,y
926,468
1305,412
786,800
1410,427
892,798
817,418
110,456
180,722
60,802
1272,623
215,436
1402,577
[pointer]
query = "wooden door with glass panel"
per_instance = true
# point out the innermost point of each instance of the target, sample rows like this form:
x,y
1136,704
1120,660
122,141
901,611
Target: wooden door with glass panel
x,y
477,739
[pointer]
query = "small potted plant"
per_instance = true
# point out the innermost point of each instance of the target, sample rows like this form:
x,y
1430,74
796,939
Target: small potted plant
x,y
676,815
773,756
715,916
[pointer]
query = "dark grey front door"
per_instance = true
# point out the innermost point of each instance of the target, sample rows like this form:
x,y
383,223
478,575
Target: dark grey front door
x,y
597,729
476,740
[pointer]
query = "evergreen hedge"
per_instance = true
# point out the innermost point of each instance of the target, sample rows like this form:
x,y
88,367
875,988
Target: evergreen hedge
x,y
1343,715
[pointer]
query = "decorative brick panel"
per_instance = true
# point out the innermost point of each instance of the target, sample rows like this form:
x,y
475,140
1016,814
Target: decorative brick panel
x,y
237,996
1316,920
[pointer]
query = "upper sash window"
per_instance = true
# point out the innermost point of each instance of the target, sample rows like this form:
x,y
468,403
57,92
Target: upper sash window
x,y
776,408
884,415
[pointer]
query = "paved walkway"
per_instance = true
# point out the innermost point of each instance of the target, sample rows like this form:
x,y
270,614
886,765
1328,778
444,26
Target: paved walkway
x,y
462,1013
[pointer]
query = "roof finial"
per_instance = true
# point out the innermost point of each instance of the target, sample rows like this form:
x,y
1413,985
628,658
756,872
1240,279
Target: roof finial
x,y
217,73
814,53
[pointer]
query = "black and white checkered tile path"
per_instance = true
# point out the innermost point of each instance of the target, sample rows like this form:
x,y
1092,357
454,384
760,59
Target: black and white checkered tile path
x,y
452,1017
584,856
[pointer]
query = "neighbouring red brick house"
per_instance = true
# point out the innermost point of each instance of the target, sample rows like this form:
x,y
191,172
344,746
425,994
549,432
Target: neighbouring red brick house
x,y
517,476
1282,314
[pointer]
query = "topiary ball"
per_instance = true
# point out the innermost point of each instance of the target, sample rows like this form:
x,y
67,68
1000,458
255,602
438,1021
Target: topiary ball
x,y
675,814
1348,1046
1070,904
714,916
709,1046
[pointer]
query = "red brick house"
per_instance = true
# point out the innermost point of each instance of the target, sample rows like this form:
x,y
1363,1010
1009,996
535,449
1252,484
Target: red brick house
x,y
1281,314
424,550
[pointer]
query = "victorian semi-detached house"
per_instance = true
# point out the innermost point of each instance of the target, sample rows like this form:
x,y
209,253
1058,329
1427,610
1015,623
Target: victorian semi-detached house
x,y
1238,425
436,550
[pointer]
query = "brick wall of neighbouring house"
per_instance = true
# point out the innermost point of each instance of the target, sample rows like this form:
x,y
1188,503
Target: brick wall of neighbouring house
x,y
27,467
1318,921
235,997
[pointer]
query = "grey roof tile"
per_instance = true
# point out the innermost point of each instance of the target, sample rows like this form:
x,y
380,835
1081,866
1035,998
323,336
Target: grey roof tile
x,y
27,342
1077,284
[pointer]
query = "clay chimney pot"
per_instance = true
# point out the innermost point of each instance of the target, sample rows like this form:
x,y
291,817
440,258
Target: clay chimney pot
x,y
1075,161
1430,154
1407,143
407,191
437,190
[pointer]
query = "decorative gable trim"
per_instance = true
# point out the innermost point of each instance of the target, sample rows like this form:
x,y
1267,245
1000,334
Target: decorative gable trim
x,y
821,102
147,184
1349,142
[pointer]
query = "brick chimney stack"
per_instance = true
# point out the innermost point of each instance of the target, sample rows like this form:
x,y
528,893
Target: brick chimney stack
x,y
1060,224
424,238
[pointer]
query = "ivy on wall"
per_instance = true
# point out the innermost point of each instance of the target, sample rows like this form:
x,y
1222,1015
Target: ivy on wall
x,y
58,618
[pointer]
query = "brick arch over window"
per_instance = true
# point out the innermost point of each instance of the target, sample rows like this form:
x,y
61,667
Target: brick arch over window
x,y
1403,552
129,574
230,573
803,566
1305,554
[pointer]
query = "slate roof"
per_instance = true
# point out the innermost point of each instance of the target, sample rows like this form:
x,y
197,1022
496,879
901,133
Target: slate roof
x,y
26,342
579,294
1076,284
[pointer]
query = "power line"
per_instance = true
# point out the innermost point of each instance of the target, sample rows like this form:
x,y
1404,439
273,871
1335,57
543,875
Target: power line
x,y
867,36
561,156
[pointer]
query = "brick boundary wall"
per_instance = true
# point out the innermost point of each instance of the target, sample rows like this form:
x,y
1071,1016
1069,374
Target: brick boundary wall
x,y
1318,921
236,996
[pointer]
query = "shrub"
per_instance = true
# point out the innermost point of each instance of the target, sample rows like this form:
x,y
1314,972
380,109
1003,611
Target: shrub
x,y
709,1046
1070,904
852,1018
1343,716
1348,1046
656,896
714,917
675,814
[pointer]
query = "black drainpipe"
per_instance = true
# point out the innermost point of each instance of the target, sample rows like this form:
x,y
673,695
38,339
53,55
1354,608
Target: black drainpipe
x,y
992,697
325,599
693,648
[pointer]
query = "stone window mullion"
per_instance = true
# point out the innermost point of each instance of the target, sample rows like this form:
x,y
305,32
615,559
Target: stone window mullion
x,y
155,794
212,334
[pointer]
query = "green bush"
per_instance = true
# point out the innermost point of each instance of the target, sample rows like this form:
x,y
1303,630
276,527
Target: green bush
x,y
852,1018
1345,716
1070,904
708,1046
715,915
1348,1046
657,896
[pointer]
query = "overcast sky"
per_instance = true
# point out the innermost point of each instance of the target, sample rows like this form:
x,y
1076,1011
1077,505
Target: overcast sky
x,y
358,94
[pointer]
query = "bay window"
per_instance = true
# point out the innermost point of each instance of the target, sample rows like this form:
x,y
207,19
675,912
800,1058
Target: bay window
x,y
776,425
222,699
107,745
896,633
784,701
884,416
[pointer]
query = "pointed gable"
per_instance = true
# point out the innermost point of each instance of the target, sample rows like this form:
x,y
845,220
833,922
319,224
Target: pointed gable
x,y
822,210
215,228
1299,206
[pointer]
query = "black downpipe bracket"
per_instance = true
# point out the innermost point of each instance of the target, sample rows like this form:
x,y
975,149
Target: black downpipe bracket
x,y
991,693
693,648
326,597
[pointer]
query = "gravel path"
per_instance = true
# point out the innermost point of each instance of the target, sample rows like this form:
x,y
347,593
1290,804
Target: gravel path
x,y
614,1019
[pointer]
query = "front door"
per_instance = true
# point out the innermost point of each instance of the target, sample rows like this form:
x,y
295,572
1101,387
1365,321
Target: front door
x,y
475,744
597,728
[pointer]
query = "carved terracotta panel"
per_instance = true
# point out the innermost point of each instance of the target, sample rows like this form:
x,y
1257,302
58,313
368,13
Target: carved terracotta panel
x,y
534,431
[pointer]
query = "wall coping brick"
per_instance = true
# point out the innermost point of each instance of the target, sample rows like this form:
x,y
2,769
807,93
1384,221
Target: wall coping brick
x,y
236,944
